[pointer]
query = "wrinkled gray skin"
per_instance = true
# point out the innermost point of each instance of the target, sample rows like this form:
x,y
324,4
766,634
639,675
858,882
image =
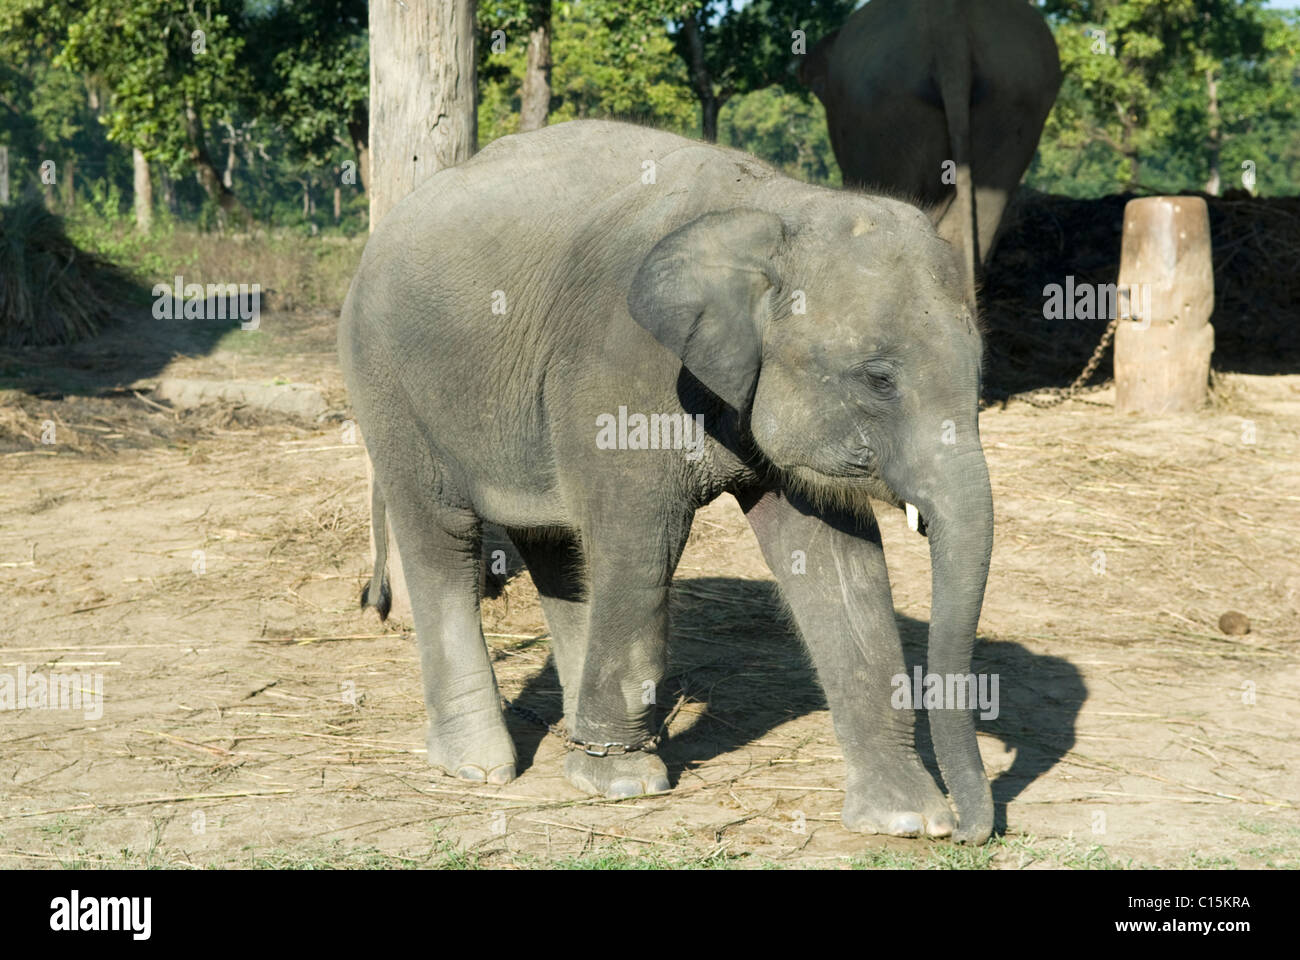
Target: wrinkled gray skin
x,y
671,297
910,84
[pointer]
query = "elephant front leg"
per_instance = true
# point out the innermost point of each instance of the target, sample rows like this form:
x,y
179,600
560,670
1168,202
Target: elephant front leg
x,y
831,570
630,567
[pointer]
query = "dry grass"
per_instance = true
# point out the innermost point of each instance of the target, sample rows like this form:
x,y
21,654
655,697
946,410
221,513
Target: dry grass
x,y
224,691
293,272
51,291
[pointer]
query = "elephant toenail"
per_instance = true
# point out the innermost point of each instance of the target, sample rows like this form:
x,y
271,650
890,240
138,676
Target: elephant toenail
x,y
502,774
658,784
940,828
626,788
905,825
471,772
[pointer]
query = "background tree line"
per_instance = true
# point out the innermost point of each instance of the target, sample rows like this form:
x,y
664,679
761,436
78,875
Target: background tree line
x,y
220,110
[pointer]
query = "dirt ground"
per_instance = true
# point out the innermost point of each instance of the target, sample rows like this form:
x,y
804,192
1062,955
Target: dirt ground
x,y
206,565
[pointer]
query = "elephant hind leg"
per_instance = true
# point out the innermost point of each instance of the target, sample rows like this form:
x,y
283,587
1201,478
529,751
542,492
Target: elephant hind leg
x,y
555,562
439,547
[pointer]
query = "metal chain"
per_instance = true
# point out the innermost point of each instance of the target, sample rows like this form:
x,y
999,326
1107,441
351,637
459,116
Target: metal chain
x,y
649,745
536,718
1052,396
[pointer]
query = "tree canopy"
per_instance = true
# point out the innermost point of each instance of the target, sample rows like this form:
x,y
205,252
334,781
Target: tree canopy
x,y
255,107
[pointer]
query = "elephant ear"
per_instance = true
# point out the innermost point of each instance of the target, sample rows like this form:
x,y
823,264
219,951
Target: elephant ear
x,y
701,291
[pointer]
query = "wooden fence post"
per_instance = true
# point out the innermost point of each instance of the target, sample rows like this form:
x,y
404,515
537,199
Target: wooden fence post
x,y
1166,287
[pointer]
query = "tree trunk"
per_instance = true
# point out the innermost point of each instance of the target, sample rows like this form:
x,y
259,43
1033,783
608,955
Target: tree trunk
x,y
709,119
338,202
535,96
4,174
1215,139
232,158
422,92
168,190
143,192
206,174
701,81
210,181
1166,268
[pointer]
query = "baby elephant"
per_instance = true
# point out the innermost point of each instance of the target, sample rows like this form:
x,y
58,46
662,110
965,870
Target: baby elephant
x,y
586,333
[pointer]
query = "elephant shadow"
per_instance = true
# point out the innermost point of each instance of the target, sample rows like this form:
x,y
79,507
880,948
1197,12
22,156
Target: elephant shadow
x,y
736,661
135,346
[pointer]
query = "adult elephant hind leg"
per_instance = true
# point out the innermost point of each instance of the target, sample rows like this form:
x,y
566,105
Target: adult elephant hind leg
x,y
467,735
632,551
831,569
556,565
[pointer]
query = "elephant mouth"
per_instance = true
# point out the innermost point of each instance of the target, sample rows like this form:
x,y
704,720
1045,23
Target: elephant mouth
x,y
853,490
848,489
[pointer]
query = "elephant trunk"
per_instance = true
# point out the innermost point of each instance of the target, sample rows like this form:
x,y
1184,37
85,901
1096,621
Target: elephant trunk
x,y
957,508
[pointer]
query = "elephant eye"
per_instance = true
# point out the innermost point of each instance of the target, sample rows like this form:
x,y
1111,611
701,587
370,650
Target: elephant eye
x,y
878,376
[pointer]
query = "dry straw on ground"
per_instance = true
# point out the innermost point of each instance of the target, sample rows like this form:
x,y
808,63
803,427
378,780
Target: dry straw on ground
x,y
51,291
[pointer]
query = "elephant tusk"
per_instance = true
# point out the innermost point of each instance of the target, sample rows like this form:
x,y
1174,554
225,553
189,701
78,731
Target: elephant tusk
x,y
913,518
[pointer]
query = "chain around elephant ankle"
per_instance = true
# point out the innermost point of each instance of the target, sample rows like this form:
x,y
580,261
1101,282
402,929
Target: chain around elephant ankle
x,y
649,745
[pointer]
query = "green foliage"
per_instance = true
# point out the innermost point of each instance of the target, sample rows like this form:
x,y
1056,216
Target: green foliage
x,y
730,50
751,46
1135,108
599,70
46,111
277,100
103,228
170,66
314,80
786,130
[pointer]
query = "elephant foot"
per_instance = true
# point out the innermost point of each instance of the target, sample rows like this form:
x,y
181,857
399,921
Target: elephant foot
x,y
479,756
975,816
625,775
974,835
898,801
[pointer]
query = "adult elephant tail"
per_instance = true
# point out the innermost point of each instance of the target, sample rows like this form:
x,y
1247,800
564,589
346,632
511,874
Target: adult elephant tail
x,y
954,78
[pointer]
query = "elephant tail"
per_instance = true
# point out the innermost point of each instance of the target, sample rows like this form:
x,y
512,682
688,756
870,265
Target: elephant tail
x,y
955,71
378,592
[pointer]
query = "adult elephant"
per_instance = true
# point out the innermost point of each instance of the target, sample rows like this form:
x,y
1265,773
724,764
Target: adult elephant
x,y
940,101
584,334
